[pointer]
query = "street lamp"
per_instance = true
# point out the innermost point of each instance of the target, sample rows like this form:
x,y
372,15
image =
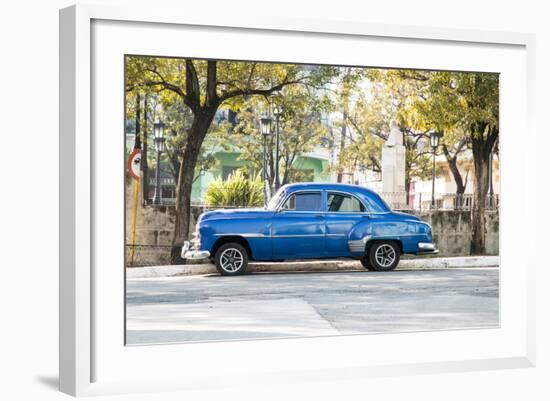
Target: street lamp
x,y
277,113
434,141
159,140
265,123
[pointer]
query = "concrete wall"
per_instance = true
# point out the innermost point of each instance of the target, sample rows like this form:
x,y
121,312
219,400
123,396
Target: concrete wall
x,y
452,230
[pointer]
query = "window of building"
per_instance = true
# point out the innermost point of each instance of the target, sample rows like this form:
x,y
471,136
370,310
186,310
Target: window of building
x,y
227,171
304,175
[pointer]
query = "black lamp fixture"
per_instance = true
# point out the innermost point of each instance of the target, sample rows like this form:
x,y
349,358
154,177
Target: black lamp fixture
x,y
160,144
434,138
434,141
277,114
158,130
265,122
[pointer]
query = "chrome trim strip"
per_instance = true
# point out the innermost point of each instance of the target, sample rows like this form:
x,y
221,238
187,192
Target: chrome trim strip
x,y
358,245
246,235
336,235
383,236
434,252
281,211
297,235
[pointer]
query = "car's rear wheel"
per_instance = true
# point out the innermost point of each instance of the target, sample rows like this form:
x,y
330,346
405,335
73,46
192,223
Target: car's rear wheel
x,y
366,262
384,256
231,259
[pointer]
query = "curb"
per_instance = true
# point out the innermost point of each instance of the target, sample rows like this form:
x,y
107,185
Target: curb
x,y
314,266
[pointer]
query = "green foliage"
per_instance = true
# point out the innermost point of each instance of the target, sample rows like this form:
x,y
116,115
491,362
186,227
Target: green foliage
x,y
237,191
300,130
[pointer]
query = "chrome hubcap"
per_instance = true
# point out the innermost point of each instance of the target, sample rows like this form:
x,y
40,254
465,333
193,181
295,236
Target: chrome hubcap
x,y
385,255
231,260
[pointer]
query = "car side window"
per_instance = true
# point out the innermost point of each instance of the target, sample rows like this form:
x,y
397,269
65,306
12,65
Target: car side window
x,y
310,201
344,204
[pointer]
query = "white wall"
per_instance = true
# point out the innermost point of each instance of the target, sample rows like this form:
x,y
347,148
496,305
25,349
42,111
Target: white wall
x,y
28,198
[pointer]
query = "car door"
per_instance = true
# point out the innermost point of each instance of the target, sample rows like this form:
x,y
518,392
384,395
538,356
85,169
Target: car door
x,y
343,211
298,227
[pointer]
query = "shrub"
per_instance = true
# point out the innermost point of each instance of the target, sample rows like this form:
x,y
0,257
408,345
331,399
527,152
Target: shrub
x,y
236,191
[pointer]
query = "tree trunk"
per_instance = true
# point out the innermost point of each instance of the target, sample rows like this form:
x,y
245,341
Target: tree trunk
x,y
197,133
343,134
453,166
144,164
481,150
137,139
407,191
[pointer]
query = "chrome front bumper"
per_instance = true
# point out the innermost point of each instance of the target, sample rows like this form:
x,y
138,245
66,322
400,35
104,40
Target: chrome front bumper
x,y
187,253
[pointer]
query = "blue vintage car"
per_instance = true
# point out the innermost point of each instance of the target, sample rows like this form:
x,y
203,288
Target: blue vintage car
x,y
310,221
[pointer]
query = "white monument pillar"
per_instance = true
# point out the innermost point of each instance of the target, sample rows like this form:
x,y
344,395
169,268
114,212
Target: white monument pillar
x,y
393,168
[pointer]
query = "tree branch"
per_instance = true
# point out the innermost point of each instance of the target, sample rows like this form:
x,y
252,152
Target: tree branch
x,y
262,92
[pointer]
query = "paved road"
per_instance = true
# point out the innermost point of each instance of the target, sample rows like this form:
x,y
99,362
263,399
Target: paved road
x,y
271,305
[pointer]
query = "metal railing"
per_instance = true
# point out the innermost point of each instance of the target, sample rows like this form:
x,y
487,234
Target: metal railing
x,y
443,201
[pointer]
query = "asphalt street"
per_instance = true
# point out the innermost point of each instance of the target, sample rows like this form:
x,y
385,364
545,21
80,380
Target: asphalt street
x,y
279,305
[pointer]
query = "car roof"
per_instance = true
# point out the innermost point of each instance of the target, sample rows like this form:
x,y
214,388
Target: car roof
x,y
327,186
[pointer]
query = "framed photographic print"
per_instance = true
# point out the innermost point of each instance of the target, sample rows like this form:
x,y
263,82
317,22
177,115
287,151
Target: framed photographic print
x,y
289,199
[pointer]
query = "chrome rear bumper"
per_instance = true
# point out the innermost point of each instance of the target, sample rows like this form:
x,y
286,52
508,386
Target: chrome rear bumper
x,y
187,253
427,248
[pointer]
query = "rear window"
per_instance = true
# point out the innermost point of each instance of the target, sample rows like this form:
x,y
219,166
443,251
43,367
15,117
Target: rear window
x,y
344,203
377,205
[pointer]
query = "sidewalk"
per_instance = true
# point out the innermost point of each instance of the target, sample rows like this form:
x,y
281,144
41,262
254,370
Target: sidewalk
x,y
315,266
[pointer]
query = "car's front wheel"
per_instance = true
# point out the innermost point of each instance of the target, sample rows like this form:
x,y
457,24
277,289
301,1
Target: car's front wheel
x,y
384,256
231,259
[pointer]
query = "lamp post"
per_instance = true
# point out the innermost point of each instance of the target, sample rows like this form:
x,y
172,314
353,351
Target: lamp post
x,y
265,123
158,129
277,113
434,141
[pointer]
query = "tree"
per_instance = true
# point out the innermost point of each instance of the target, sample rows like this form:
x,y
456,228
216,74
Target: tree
x,y
300,130
454,142
178,119
203,86
468,102
343,96
385,100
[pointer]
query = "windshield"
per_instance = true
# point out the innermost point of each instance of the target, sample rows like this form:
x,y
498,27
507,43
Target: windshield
x,y
279,195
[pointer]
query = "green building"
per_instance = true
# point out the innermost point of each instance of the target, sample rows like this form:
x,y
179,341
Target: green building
x,y
312,167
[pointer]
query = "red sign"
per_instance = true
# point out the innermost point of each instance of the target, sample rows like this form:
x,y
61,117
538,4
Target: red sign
x,y
134,163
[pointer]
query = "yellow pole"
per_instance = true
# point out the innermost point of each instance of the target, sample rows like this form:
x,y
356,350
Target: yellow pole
x,y
134,220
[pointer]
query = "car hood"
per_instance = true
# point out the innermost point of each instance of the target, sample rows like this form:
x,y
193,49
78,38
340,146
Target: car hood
x,y
252,213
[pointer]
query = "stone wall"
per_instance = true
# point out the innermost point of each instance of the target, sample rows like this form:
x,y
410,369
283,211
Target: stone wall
x,y
452,232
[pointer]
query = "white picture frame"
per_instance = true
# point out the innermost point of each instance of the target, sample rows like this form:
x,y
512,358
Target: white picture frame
x,y
93,359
